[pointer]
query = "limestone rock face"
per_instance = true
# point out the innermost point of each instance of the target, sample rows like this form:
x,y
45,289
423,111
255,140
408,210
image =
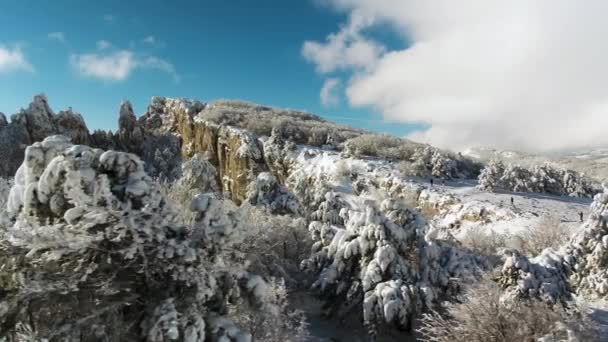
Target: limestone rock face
x,y
239,159
236,154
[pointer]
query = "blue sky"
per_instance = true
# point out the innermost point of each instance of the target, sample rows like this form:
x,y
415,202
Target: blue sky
x,y
237,49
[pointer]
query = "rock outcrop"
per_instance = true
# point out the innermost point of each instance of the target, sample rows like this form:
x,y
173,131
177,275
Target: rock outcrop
x,y
34,124
167,134
236,154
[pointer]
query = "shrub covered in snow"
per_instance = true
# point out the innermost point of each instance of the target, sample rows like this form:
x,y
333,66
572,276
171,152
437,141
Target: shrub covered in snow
x,y
548,233
198,175
482,242
276,245
482,315
381,145
541,179
414,159
383,260
93,251
264,190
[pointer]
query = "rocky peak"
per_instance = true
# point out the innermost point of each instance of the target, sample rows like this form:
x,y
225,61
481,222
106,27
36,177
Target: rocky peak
x,y
72,125
130,133
39,118
126,119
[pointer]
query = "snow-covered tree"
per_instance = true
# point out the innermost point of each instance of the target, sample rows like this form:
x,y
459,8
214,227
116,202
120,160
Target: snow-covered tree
x,y
541,179
94,251
384,260
264,190
489,178
577,267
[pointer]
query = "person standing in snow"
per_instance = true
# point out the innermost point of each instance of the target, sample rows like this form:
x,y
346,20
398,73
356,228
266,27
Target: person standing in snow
x,y
512,201
581,216
431,181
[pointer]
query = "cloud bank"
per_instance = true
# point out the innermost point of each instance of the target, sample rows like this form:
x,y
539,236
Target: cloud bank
x,y
518,74
13,59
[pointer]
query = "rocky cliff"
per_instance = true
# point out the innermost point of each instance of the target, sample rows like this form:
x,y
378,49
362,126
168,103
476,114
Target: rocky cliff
x,y
166,134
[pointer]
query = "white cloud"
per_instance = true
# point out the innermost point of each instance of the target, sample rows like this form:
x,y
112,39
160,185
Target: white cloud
x,y
152,62
13,59
344,49
57,36
103,44
329,92
512,74
118,65
149,40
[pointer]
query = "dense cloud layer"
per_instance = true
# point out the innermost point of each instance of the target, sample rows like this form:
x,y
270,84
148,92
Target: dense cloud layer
x,y
516,74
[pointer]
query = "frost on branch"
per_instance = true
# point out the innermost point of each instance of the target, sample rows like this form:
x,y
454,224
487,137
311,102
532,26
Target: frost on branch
x,y
93,251
541,179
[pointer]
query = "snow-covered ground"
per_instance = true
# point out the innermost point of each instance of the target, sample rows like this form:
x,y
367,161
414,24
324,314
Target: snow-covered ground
x,y
502,217
460,205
